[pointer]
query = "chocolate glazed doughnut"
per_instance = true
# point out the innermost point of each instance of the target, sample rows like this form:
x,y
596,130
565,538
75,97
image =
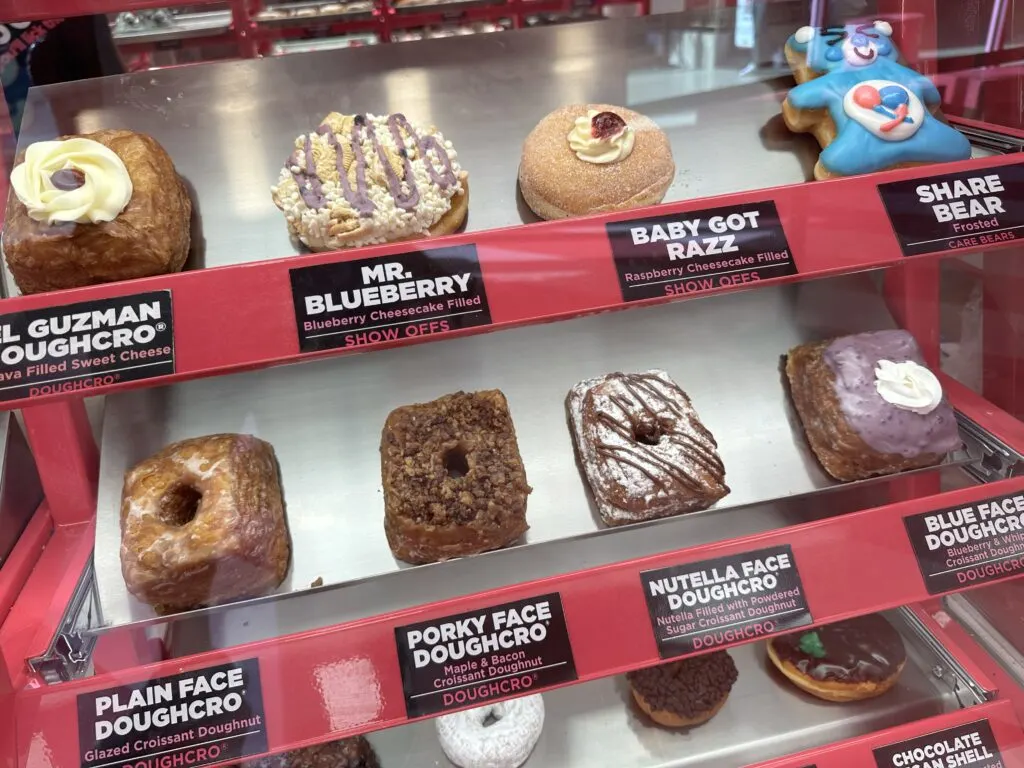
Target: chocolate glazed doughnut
x,y
355,752
684,693
847,661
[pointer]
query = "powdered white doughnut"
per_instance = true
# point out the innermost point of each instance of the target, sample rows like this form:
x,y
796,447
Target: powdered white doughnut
x,y
504,743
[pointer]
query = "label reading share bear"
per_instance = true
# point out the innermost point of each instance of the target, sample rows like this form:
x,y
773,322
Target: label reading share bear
x,y
964,746
723,601
493,653
191,719
388,298
957,210
699,250
973,544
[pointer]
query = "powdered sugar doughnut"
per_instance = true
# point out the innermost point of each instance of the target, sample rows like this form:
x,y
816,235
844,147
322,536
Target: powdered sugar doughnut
x,y
500,735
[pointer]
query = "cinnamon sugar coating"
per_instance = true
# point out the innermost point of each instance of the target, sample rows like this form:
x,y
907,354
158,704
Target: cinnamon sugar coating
x,y
643,448
454,482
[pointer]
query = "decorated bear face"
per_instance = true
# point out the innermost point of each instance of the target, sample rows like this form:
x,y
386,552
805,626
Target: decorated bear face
x,y
855,45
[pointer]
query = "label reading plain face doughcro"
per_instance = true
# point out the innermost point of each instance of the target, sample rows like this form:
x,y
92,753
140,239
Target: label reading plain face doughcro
x,y
389,298
181,721
727,600
968,746
480,656
699,251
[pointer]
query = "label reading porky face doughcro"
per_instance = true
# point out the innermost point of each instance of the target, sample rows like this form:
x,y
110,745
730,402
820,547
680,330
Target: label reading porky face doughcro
x,y
482,656
728,600
699,251
971,746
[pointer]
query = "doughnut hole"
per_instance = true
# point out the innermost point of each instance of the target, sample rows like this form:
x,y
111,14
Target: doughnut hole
x,y
456,464
647,433
179,504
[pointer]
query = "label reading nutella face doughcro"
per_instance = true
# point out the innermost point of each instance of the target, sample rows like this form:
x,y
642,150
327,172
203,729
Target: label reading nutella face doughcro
x,y
953,211
192,719
726,600
486,655
388,298
78,347
699,251
960,547
963,746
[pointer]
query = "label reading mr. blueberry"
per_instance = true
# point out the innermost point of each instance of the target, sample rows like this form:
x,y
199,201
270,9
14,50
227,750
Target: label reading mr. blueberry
x,y
404,296
77,347
964,746
957,210
191,719
963,546
699,251
476,657
726,600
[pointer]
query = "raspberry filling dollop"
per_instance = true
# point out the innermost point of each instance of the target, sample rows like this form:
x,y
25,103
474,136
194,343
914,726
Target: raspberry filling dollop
x,y
604,125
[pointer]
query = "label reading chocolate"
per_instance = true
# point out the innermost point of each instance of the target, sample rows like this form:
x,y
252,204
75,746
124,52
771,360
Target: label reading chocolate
x,y
480,656
964,546
699,251
964,746
723,601
77,347
952,211
191,719
388,298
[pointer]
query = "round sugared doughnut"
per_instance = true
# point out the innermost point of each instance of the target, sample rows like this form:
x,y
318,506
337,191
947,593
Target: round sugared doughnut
x,y
499,735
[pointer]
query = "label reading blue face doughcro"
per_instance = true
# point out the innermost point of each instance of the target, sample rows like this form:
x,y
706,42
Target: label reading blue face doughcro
x,y
954,211
388,298
699,250
474,658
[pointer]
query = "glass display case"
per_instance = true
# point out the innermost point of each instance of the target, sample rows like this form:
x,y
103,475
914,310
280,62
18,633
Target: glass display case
x,y
692,436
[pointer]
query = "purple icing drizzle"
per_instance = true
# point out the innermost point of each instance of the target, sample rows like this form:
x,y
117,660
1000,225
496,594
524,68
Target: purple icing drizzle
x,y
358,198
308,182
444,178
886,428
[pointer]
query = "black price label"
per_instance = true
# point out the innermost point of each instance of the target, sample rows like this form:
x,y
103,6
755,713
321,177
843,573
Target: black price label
x,y
77,347
727,600
699,251
388,298
970,746
494,653
956,210
191,719
964,546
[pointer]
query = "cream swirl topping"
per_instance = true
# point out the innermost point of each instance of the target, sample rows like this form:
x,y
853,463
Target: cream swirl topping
x,y
601,138
75,180
908,385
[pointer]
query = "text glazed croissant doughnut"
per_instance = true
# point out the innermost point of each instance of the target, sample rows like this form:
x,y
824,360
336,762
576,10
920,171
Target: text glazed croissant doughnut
x,y
202,522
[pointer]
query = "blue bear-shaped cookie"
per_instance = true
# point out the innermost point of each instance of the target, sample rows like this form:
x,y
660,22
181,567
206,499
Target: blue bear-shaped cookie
x,y
882,110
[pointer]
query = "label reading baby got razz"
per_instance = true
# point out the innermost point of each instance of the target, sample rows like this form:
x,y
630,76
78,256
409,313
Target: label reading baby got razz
x,y
389,298
726,600
699,251
957,210
492,653
77,347
964,746
187,720
964,546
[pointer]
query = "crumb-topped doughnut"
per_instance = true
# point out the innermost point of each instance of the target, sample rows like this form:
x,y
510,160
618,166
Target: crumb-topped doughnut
x,y
869,405
590,158
363,179
643,447
355,752
686,692
849,660
202,522
454,482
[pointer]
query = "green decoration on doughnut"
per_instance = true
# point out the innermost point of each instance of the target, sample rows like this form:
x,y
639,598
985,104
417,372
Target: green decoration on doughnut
x,y
810,644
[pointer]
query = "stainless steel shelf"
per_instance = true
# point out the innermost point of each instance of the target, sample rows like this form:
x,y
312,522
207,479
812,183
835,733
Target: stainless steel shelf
x,y
184,27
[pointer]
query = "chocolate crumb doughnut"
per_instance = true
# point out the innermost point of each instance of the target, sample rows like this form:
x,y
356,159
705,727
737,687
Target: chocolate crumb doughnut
x,y
849,660
686,692
355,752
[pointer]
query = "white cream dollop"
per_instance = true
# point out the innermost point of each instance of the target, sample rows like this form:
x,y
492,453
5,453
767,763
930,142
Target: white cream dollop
x,y
104,193
599,151
908,385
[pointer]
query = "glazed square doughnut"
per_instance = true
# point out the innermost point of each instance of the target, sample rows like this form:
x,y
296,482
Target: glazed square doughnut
x,y
454,482
643,448
202,522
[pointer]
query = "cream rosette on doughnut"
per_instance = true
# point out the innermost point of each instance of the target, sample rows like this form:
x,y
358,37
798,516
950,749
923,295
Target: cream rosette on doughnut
x,y
76,180
500,735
